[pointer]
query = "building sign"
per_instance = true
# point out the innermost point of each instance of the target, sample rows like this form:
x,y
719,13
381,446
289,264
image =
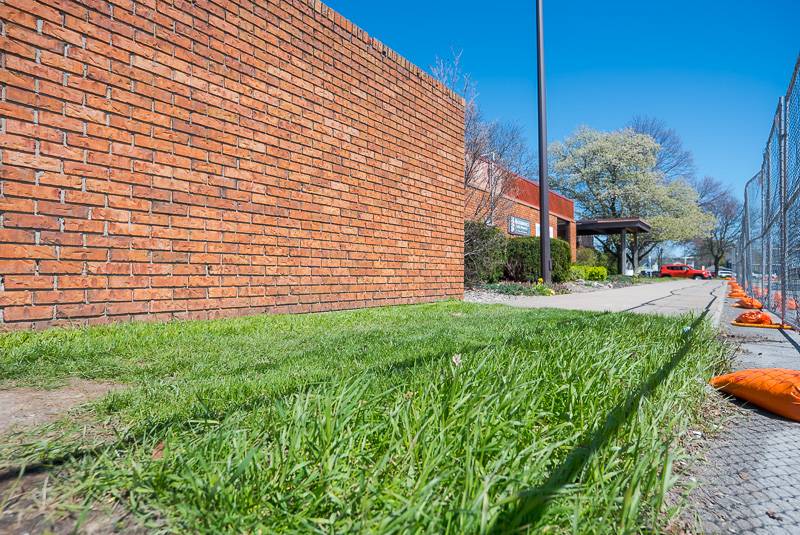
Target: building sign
x,y
518,226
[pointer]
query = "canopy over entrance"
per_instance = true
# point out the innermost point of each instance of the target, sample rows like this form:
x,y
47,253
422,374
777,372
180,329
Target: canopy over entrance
x,y
621,226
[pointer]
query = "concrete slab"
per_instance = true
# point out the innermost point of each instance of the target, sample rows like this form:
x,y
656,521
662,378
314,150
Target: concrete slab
x,y
669,298
751,481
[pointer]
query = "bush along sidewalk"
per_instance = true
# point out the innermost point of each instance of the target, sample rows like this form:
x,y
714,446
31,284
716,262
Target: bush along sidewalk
x,y
484,253
489,256
524,259
589,273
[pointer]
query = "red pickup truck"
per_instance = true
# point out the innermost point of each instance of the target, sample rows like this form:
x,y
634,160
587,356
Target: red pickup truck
x,y
682,270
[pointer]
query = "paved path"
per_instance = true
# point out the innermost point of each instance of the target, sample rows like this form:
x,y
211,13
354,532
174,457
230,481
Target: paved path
x,y
673,297
751,482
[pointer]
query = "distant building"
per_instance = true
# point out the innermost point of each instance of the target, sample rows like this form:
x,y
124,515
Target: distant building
x,y
515,205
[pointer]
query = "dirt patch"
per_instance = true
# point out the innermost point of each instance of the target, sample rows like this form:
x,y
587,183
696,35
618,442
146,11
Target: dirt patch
x,y
33,498
27,505
27,407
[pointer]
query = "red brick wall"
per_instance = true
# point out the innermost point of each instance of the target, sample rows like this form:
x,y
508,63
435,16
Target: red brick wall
x,y
193,159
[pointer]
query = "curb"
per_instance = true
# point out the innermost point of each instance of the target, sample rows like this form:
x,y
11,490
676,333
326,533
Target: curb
x,y
716,306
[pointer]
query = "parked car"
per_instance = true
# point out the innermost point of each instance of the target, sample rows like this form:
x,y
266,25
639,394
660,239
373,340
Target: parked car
x,y
648,272
683,271
724,273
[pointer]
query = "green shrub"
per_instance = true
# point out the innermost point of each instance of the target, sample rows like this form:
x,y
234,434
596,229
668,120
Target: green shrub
x,y
524,256
484,253
586,256
610,261
589,273
562,259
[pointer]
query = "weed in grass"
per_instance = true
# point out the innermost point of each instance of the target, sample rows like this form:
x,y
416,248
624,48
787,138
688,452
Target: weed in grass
x,y
367,421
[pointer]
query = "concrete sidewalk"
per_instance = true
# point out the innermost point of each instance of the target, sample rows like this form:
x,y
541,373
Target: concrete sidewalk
x,y
673,297
751,480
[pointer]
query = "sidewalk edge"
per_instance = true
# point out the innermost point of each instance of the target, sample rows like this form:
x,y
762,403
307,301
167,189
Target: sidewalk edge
x,y
716,306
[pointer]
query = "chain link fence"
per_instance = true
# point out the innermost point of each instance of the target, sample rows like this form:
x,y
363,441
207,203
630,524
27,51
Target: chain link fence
x,y
767,256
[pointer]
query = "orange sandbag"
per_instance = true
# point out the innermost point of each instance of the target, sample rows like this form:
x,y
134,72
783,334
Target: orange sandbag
x,y
749,302
754,317
774,389
777,297
737,295
791,304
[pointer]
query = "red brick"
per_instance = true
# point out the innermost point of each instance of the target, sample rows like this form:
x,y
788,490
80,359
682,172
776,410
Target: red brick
x,y
83,253
27,282
8,204
10,141
60,267
49,237
83,197
17,266
83,282
39,222
15,298
128,282
139,307
8,250
149,294
27,313
82,310
110,295
58,296
17,236
29,160
16,111
63,210
108,268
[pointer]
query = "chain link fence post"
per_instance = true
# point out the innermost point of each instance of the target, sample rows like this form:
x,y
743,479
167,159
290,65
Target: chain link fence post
x,y
782,207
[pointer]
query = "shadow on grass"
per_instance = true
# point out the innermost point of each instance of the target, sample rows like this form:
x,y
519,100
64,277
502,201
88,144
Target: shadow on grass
x,y
533,503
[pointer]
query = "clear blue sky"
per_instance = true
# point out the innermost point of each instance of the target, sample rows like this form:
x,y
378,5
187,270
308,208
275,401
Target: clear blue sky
x,y
712,69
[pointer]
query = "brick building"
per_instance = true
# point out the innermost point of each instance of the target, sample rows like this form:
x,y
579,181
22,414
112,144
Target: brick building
x,y
516,208
196,159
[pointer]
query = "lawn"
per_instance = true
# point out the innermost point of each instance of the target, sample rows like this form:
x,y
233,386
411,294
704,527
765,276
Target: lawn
x,y
440,418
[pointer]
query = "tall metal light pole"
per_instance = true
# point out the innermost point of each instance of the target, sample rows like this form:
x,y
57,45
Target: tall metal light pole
x,y
544,187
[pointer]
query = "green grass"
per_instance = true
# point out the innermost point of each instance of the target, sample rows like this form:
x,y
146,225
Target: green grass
x,y
361,421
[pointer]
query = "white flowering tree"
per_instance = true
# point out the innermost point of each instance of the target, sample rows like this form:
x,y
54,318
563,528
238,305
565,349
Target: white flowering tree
x,y
615,175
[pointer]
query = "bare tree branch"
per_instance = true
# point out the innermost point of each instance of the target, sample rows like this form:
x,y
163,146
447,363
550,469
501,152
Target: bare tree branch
x,y
495,153
709,192
726,208
673,159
